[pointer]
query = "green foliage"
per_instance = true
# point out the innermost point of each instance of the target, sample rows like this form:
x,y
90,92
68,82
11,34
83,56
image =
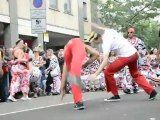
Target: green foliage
x,y
148,31
121,14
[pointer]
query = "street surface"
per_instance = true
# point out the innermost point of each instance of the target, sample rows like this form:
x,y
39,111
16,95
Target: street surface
x,y
131,107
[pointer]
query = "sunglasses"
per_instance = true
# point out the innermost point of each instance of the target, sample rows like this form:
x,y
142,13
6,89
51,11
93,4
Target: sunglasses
x,y
35,51
130,32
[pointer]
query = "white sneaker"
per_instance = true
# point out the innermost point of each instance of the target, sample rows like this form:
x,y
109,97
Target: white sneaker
x,y
11,98
25,98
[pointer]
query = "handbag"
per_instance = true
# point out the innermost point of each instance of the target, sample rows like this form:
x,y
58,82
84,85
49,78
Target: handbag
x,y
35,74
54,73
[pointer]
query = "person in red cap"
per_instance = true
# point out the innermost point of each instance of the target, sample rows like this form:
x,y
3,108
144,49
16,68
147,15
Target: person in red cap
x,y
74,56
127,56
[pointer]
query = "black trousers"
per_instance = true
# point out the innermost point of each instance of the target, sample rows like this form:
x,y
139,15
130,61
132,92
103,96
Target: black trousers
x,y
4,87
48,83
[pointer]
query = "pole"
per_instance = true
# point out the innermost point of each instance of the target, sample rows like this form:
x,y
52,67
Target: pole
x,y
40,40
80,18
45,46
11,30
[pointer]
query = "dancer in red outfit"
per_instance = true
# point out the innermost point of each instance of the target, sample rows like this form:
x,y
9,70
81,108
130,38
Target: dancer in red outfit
x,y
74,57
127,55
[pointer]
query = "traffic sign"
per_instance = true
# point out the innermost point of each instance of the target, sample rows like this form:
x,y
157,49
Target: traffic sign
x,y
38,16
38,4
46,37
38,26
38,13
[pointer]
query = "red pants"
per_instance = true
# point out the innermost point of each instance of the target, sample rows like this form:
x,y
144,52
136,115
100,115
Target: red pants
x,y
74,56
117,65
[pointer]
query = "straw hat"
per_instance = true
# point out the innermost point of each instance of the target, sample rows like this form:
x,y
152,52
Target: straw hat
x,y
91,37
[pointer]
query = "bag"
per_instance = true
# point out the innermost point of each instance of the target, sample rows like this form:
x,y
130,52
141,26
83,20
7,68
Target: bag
x,y
54,73
35,74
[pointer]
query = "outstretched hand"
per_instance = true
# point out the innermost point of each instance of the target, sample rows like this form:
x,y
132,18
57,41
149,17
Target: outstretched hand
x,y
63,92
92,77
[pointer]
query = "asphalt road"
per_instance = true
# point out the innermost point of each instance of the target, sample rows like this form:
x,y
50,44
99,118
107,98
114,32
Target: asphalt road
x,y
131,107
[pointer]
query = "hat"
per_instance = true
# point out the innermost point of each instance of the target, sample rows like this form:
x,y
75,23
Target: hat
x,y
91,37
131,30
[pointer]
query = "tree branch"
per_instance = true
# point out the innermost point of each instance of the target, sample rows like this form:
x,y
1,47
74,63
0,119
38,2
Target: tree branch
x,y
139,12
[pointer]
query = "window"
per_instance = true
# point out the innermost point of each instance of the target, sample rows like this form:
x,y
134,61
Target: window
x,y
84,10
53,4
67,6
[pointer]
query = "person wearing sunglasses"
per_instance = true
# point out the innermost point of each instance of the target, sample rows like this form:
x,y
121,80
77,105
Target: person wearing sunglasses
x,y
141,48
136,42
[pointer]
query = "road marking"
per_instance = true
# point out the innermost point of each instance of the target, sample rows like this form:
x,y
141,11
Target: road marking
x,y
26,110
43,107
152,118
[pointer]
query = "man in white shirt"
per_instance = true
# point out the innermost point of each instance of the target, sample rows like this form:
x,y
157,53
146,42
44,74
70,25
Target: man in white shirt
x,y
127,56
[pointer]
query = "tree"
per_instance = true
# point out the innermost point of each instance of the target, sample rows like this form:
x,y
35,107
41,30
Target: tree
x,y
147,30
121,14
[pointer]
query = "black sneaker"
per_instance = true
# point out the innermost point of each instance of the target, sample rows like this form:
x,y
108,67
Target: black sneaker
x,y
113,99
127,91
153,95
135,91
79,106
55,93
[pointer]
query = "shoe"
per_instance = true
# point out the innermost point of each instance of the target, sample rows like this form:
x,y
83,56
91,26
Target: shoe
x,y
153,95
135,91
113,98
49,93
79,106
35,95
127,91
25,98
44,93
55,93
11,98
3,100
40,92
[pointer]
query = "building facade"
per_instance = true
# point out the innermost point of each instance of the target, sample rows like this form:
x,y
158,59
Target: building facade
x,y
65,19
